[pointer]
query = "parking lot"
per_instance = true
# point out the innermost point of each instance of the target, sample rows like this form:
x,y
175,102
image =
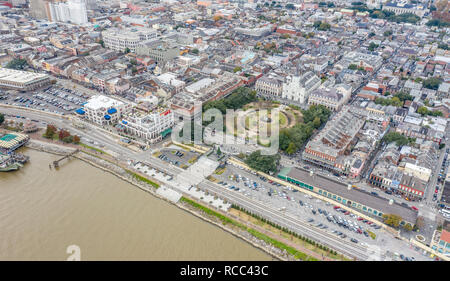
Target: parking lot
x,y
53,99
178,157
313,211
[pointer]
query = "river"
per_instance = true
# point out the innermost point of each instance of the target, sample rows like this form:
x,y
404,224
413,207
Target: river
x,y
43,211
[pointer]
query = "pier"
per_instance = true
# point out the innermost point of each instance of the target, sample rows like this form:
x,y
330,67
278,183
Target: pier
x,y
56,162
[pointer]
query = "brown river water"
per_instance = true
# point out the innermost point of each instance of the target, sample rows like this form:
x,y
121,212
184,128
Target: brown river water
x,y
44,211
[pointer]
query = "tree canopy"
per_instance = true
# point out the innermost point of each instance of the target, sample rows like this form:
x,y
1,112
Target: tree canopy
x,y
322,25
17,64
240,97
392,220
372,46
432,83
398,138
263,163
292,139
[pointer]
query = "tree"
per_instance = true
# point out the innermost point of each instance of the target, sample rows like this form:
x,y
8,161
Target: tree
x,y
316,122
423,110
420,223
392,220
62,134
352,67
398,138
68,139
264,163
50,132
372,46
291,149
432,83
101,42
195,51
437,22
290,6
2,118
237,69
76,139
127,50
387,33
219,152
408,227
17,64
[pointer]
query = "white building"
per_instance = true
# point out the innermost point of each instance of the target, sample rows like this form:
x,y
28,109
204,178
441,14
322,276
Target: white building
x,y
418,171
78,14
269,87
73,11
297,89
120,39
104,110
170,79
22,80
152,127
201,84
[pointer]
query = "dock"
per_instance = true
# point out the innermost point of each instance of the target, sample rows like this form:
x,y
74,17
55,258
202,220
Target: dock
x,y
56,162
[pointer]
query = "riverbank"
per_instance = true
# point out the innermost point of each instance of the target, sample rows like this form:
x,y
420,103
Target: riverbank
x,y
118,169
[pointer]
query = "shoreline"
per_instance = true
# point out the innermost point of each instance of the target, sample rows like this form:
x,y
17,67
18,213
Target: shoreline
x,y
45,147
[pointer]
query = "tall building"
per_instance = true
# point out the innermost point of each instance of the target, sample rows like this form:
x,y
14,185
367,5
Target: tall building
x,y
73,11
78,14
38,9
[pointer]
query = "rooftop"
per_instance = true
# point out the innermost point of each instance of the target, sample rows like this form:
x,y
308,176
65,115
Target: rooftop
x,y
20,76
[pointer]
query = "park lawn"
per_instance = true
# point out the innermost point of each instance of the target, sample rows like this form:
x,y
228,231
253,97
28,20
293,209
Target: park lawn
x,y
371,234
192,160
285,235
226,220
220,171
211,178
142,179
92,148
283,119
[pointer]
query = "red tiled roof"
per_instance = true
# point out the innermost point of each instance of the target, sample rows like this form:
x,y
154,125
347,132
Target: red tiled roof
x,y
445,236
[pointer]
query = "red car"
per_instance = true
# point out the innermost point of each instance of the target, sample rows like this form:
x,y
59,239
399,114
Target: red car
x,y
359,218
336,207
369,223
435,191
414,208
347,213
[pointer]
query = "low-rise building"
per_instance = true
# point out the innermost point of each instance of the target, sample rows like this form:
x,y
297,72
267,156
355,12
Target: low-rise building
x,y
159,50
121,39
22,80
269,87
330,98
104,110
152,127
